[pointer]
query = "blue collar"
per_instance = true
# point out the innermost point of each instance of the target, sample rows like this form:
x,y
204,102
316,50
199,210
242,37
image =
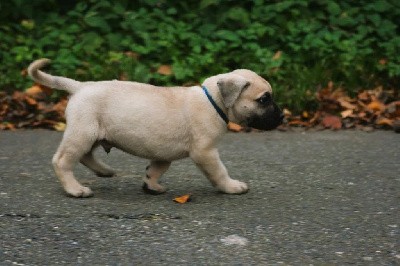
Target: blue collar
x,y
214,104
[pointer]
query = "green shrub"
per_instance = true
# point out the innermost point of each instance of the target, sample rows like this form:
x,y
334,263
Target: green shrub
x,y
297,45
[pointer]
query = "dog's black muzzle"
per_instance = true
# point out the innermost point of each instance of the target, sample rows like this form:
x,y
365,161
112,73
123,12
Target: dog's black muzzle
x,y
272,118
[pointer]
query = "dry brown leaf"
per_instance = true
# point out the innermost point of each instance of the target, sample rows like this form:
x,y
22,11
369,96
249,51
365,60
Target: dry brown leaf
x,y
346,113
315,118
332,122
299,123
383,121
363,96
376,106
38,91
183,199
7,126
345,103
393,109
277,55
34,90
234,127
165,70
30,101
60,106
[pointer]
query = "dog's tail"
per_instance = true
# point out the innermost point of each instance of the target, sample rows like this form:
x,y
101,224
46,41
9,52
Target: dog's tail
x,y
48,80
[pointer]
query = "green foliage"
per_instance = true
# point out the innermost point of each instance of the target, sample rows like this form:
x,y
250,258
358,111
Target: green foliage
x,y
297,45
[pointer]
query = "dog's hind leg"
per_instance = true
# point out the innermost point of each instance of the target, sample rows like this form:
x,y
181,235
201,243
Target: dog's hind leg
x,y
153,172
96,165
69,153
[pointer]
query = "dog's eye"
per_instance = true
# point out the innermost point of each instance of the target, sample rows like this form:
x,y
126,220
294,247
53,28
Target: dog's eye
x,y
265,99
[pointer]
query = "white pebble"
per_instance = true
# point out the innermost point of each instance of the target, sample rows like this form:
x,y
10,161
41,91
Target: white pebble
x,y
234,240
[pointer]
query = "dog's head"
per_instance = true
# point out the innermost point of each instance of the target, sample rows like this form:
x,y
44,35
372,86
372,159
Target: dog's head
x,y
248,99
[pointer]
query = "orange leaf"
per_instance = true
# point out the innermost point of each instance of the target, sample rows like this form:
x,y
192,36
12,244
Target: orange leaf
x,y
165,70
346,113
60,106
30,101
34,90
384,122
7,125
376,106
234,127
331,121
305,114
38,91
183,199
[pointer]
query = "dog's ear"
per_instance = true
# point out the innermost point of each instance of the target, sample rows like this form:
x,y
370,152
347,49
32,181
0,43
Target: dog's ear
x,y
231,86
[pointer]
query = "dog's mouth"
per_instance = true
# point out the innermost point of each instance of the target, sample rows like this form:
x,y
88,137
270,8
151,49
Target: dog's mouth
x,y
271,119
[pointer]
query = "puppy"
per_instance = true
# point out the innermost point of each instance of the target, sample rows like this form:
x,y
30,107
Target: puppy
x,y
157,123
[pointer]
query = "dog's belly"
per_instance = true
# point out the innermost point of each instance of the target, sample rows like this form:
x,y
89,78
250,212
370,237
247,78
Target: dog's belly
x,y
162,153
150,146
148,123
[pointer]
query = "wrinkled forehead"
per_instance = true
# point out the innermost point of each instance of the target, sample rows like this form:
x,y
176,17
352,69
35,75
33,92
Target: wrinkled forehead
x,y
256,82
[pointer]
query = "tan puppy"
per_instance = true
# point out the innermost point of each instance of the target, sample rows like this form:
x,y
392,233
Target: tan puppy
x,y
157,123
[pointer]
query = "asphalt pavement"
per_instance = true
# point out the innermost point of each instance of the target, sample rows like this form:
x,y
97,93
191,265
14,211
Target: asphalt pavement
x,y
320,198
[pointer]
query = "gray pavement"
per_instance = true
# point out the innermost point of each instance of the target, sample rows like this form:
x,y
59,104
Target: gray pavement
x,y
322,198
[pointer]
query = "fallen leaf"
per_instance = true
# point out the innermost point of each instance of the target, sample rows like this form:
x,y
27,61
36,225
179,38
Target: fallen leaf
x,y
60,106
384,122
277,55
396,126
38,91
346,113
363,96
299,123
315,118
165,70
30,101
376,106
346,104
60,126
183,199
393,109
34,90
332,122
234,127
7,126
287,112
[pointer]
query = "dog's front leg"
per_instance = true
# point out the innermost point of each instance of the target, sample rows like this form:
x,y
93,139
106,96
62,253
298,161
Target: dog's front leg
x,y
209,162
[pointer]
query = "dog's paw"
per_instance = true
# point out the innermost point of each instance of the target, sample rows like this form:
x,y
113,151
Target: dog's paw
x,y
234,187
79,192
156,190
